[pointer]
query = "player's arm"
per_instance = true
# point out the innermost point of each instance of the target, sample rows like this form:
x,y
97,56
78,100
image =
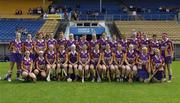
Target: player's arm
x,y
102,58
66,59
110,62
45,47
78,57
47,60
22,66
125,59
35,48
55,57
115,60
31,66
37,65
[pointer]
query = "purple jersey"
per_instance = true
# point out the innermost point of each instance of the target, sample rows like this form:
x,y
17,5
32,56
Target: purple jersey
x,y
51,42
81,43
95,56
84,56
107,56
93,44
28,45
124,44
73,57
27,63
143,60
62,56
166,46
154,45
134,42
51,56
41,62
70,43
158,60
62,42
40,45
119,56
17,46
145,42
131,56
113,45
103,43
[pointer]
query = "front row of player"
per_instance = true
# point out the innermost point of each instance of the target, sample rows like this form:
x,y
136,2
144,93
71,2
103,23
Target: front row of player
x,y
73,66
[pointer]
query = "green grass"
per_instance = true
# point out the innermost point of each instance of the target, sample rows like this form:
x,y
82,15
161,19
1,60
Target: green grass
x,y
63,92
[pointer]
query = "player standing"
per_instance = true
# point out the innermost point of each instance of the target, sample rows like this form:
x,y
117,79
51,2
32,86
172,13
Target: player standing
x,y
167,52
16,47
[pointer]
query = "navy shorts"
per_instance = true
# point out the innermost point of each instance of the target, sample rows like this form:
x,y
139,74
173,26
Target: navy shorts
x,y
168,60
159,75
16,57
142,73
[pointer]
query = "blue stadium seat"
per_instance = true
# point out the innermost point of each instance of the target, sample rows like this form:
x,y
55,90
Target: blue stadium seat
x,y
8,28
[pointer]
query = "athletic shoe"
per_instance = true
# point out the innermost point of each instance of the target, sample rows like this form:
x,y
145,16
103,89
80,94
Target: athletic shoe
x,y
9,79
48,79
19,79
82,80
0,78
6,77
169,81
69,80
164,80
99,80
121,80
117,80
93,80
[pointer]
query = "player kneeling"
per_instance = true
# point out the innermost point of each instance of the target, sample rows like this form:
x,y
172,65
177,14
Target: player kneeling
x,y
40,64
108,69
50,58
73,63
143,65
119,59
84,59
95,66
131,69
26,65
62,60
158,64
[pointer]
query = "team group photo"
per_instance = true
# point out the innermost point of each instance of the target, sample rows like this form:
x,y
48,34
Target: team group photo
x,y
136,59
89,51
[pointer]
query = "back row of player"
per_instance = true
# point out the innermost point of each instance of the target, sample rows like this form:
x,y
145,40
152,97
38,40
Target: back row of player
x,y
117,59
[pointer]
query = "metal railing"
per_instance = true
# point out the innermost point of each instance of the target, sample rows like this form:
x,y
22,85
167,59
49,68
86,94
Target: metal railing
x,y
126,17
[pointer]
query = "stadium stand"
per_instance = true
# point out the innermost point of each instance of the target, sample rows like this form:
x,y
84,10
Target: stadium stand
x,y
49,26
24,5
154,9
8,28
150,28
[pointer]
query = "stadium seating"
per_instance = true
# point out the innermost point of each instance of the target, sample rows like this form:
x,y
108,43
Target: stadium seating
x,y
150,28
8,28
8,7
49,26
109,8
151,8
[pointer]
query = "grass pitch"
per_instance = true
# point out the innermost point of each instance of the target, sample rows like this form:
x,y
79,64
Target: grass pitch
x,y
76,92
